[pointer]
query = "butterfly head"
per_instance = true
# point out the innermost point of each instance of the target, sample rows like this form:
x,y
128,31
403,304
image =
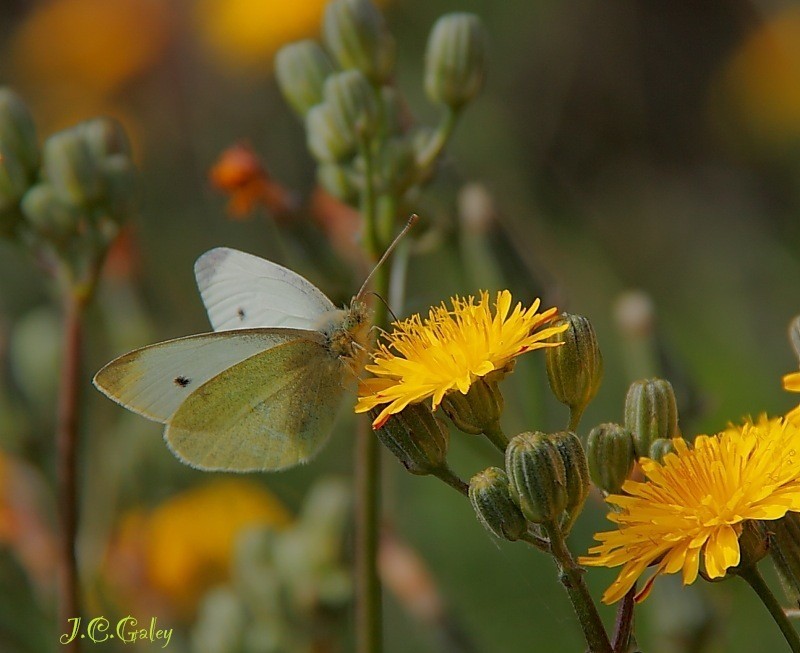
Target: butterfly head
x,y
347,336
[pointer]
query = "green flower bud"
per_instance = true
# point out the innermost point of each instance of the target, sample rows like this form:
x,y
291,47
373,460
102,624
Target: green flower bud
x,y
537,477
660,448
352,102
416,438
336,180
794,335
576,469
398,164
301,69
355,33
496,510
754,544
394,111
120,178
17,131
575,369
479,410
326,139
105,137
650,413
455,60
611,456
71,168
47,214
14,179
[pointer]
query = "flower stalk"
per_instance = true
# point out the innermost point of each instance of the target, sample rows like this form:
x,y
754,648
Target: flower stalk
x,y
753,578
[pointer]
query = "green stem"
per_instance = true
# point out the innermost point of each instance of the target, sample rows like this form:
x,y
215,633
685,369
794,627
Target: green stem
x,y
571,578
536,541
575,414
428,157
368,600
755,580
67,422
448,476
496,436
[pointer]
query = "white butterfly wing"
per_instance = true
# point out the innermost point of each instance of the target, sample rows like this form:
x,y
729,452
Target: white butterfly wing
x,y
242,291
154,381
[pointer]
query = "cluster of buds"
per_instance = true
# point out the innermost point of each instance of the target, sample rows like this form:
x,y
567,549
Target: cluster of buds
x,y
546,481
70,196
358,126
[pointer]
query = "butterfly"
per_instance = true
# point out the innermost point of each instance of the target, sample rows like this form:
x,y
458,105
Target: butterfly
x,y
262,391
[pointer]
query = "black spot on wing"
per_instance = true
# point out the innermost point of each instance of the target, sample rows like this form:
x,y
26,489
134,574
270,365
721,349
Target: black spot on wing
x,y
182,381
240,312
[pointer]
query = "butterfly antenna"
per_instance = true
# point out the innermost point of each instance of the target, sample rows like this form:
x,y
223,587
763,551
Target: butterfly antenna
x,y
386,304
411,222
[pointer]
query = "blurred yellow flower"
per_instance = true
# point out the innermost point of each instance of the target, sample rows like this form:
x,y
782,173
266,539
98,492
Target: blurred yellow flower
x,y
762,79
247,33
693,506
450,349
185,545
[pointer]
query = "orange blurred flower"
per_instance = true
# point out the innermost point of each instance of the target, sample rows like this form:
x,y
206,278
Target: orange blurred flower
x,y
239,172
762,80
69,57
184,546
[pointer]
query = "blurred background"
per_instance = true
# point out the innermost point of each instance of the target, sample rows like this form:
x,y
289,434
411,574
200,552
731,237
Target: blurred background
x,y
637,162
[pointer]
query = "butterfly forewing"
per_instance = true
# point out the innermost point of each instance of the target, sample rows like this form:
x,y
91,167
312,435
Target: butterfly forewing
x,y
242,291
271,411
154,381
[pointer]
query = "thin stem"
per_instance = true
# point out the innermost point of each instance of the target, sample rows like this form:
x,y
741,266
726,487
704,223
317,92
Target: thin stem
x,y
496,436
575,414
536,541
623,628
571,578
368,603
67,448
448,476
755,580
427,157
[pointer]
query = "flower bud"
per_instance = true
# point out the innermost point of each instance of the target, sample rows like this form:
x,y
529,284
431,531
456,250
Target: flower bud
x,y
14,180
575,369
398,164
352,102
660,448
416,438
71,168
794,335
47,214
355,33
326,139
576,470
754,544
496,510
650,413
17,131
455,60
301,69
536,477
120,178
105,137
611,456
478,411
335,179
394,111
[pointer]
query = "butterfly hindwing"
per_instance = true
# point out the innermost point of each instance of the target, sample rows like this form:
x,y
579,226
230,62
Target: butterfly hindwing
x,y
243,291
271,411
154,381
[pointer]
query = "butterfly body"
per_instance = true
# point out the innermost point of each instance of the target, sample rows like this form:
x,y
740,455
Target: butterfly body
x,y
259,393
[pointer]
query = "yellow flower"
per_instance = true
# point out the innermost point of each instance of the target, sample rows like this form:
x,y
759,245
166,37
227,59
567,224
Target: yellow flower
x,y
449,350
791,382
696,503
185,545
